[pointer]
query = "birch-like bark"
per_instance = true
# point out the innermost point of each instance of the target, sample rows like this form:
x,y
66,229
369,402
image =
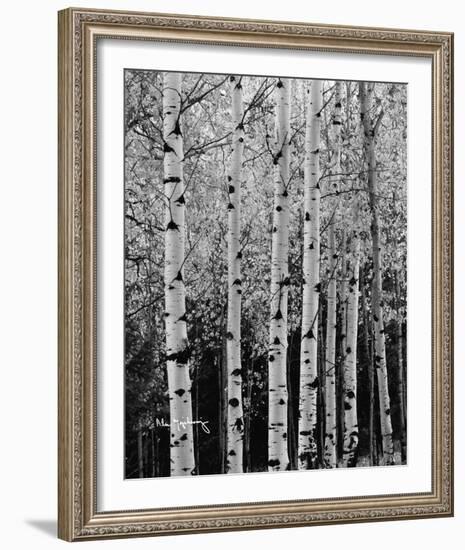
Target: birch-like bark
x,y
278,458
342,341
370,130
235,433
400,371
248,415
369,355
177,350
307,450
330,357
350,361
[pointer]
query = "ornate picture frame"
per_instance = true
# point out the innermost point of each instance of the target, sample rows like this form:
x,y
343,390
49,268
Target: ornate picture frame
x,y
79,32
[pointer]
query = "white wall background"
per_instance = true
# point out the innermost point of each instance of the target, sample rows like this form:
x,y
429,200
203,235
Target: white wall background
x,y
28,274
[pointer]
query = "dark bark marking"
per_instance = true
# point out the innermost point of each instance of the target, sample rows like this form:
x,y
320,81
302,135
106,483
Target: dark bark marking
x,y
177,129
172,179
172,226
278,315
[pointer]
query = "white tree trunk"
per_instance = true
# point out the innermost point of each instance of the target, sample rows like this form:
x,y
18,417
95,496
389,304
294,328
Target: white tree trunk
x,y
380,345
177,351
278,458
350,361
343,333
233,336
400,368
307,450
330,359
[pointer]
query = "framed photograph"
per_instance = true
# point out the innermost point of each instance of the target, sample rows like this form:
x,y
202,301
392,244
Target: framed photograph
x,y
255,274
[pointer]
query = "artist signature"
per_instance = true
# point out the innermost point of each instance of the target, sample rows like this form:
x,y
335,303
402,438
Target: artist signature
x,y
181,424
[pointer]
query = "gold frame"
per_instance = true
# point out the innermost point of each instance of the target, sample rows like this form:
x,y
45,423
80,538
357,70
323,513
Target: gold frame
x,y
78,518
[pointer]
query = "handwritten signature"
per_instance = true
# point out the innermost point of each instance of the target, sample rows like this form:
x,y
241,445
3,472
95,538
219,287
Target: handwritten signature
x,y
181,424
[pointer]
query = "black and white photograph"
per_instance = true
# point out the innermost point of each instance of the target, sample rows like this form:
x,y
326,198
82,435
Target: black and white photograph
x,y
265,273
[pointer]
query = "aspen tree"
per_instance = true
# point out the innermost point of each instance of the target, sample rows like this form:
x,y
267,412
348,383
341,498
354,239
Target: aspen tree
x,y
307,450
370,129
278,458
233,336
177,349
350,361
330,356
400,368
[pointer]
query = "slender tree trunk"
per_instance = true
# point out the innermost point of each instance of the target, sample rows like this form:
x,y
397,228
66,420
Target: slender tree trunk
x,y
400,374
224,425
350,362
342,344
233,335
177,349
330,359
321,416
330,388
307,450
222,405
248,417
370,368
196,417
370,130
154,452
145,443
140,452
404,397
291,439
220,409
278,458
